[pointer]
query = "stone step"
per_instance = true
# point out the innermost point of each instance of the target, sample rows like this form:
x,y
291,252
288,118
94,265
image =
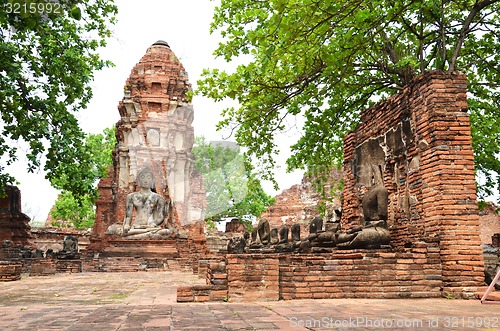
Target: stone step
x,y
493,296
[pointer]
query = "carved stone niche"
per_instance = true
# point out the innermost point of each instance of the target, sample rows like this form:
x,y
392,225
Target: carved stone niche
x,y
372,156
369,162
153,136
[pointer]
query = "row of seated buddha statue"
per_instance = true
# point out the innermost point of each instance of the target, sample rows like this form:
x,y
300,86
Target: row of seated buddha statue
x,y
69,250
323,237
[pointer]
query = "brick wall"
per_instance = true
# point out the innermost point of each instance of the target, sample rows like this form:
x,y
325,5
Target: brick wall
x,y
43,267
411,273
218,242
253,277
216,288
131,264
69,266
50,266
418,144
422,143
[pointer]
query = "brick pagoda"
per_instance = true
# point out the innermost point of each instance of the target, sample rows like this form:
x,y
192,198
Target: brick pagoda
x,y
155,131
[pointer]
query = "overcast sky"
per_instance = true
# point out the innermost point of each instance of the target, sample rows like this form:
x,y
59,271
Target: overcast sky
x,y
184,24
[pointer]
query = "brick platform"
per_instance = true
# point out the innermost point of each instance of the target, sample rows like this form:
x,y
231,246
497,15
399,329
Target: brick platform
x,y
10,270
43,267
412,273
146,301
134,255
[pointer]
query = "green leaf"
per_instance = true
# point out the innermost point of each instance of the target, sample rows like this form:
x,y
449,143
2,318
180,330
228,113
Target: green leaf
x,y
76,13
328,60
46,68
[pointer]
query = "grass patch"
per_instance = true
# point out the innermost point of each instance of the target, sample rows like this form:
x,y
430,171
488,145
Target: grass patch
x,y
119,296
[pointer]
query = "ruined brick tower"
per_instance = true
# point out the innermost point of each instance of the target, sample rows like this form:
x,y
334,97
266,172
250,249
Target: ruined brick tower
x,y
155,131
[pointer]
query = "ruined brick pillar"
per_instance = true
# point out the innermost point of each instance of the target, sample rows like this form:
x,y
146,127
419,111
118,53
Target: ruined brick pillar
x,y
155,131
449,192
418,144
14,224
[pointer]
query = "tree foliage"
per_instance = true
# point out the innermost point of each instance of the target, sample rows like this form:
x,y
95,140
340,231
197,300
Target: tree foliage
x,y
78,211
47,61
70,212
232,188
327,60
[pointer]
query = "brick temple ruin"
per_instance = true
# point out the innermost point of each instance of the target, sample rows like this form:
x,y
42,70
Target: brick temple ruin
x,y
155,130
154,135
422,142
150,210
416,148
411,154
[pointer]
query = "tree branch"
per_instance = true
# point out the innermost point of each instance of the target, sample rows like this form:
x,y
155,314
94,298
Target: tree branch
x,y
465,31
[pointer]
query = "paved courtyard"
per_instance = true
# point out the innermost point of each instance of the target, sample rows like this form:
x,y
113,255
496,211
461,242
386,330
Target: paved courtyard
x,y
147,301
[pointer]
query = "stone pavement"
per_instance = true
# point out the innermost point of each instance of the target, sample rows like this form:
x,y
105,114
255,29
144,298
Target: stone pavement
x,y
147,301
